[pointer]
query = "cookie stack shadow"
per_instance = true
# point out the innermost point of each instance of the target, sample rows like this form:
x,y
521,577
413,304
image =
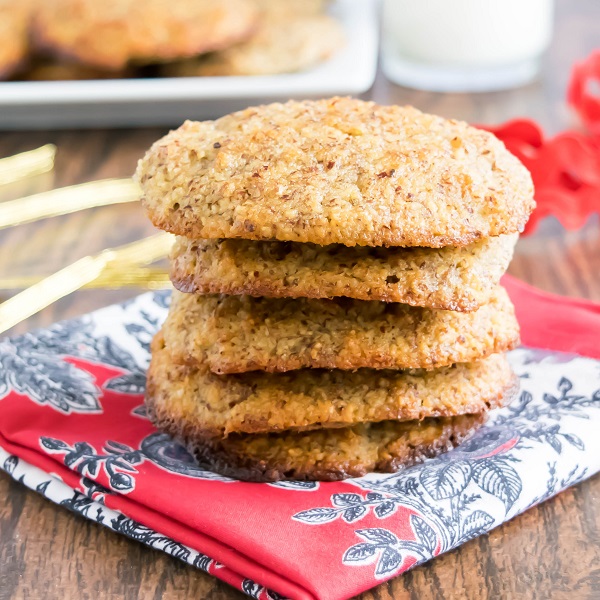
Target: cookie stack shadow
x,y
337,307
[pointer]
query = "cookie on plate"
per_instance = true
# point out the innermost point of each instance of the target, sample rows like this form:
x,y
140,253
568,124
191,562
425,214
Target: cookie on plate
x,y
114,33
324,454
281,44
336,171
461,279
50,70
14,34
256,402
236,334
275,8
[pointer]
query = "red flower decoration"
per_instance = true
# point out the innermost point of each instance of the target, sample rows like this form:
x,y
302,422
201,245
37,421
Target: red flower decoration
x,y
565,170
584,91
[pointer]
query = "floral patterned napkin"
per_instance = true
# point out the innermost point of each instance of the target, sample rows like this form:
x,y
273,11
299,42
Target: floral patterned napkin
x,y
73,428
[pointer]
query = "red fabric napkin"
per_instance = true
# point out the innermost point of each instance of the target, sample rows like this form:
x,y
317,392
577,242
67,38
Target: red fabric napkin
x,y
555,322
70,408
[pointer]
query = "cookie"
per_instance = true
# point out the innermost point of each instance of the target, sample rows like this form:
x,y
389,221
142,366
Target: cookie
x,y
217,405
285,8
48,70
14,27
323,454
236,334
460,279
114,33
281,44
336,171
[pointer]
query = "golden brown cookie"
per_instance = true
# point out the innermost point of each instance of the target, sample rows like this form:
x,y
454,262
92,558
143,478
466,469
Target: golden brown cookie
x,y
49,70
281,44
448,278
217,405
336,171
274,8
14,35
114,33
236,334
323,454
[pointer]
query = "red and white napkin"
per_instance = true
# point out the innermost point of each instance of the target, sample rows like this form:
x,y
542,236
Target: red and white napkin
x,y
73,427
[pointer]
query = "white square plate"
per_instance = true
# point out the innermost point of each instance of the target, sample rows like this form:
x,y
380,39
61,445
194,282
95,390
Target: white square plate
x,y
168,101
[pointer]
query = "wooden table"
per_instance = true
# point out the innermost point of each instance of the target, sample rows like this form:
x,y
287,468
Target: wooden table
x,y
552,551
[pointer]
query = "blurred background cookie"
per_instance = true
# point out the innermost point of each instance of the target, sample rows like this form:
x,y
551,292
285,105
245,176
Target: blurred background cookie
x,y
297,7
50,70
71,40
109,35
14,35
292,36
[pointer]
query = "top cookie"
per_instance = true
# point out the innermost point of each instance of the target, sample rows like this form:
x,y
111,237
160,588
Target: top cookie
x,y
337,171
113,33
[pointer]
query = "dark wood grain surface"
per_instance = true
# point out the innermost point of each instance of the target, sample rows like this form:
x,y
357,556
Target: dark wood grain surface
x,y
552,551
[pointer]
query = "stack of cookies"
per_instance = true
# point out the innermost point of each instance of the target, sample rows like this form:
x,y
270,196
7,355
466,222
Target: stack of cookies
x,y
338,309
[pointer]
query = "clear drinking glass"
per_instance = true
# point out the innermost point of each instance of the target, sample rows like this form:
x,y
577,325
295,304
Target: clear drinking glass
x,y
465,45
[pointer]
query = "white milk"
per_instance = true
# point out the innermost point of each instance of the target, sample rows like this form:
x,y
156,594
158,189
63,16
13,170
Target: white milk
x,y
462,45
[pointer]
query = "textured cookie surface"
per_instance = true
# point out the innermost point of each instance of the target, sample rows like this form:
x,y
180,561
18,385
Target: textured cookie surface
x,y
324,454
14,24
112,33
337,171
281,44
235,334
217,405
448,278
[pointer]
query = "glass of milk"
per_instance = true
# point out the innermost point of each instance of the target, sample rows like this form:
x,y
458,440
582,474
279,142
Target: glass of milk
x,y
465,45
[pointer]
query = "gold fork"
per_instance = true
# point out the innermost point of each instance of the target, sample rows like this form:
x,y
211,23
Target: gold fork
x,y
150,278
27,164
80,273
62,201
